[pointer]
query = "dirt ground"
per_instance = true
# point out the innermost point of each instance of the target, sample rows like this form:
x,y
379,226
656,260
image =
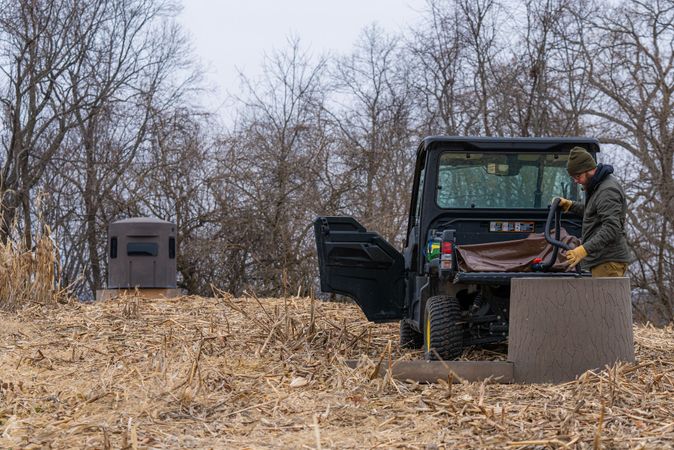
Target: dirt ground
x,y
269,373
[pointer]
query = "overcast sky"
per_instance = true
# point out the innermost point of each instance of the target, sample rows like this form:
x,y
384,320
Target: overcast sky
x,y
228,35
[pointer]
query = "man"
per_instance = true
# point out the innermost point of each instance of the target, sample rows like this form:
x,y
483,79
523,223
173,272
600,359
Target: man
x,y
604,250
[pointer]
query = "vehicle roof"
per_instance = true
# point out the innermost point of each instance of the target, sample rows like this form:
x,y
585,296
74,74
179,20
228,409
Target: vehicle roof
x,y
142,220
483,143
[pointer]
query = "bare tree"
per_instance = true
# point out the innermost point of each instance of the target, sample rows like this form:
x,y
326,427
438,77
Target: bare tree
x,y
273,160
629,52
479,19
461,69
173,181
40,42
374,126
80,82
437,74
120,89
541,84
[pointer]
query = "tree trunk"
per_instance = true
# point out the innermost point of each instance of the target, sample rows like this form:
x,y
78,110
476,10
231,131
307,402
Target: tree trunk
x,y
8,209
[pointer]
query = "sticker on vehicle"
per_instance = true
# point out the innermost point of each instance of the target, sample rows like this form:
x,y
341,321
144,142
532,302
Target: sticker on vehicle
x,y
512,227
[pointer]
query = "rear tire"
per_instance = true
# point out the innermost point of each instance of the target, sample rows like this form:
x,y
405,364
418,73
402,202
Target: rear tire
x,y
443,330
409,337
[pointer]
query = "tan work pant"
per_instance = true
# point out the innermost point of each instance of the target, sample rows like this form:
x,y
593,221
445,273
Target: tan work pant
x,y
609,269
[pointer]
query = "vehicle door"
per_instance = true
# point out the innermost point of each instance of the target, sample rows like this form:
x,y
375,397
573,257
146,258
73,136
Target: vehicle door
x,y
362,265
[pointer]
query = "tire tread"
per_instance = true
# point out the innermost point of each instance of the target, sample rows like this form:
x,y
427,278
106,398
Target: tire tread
x,y
446,332
409,337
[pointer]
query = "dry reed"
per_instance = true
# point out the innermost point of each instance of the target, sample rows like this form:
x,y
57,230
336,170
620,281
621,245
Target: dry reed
x,y
29,276
268,373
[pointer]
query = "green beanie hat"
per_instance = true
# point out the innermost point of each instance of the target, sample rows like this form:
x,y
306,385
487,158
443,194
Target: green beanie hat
x,y
579,161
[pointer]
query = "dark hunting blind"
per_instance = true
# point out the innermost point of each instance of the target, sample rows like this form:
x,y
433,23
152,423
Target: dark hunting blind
x,y
141,254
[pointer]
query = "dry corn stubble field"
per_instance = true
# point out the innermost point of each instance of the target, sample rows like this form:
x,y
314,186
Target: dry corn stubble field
x,y
259,373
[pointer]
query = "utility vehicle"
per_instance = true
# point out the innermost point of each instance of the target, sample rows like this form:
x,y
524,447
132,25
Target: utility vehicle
x,y
466,190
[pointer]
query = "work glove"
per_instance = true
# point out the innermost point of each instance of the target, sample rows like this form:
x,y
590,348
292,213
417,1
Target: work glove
x,y
576,255
565,204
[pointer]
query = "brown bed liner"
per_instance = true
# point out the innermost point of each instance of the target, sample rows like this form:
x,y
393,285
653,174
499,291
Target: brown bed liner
x,y
513,256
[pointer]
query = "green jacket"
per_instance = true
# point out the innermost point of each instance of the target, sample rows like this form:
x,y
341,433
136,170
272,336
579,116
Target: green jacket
x,y
604,224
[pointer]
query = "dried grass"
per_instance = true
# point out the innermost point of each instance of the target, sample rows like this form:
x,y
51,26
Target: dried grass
x,y
29,276
258,373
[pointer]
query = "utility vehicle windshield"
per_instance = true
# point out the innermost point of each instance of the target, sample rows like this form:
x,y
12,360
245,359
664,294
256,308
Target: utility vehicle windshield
x,y
502,180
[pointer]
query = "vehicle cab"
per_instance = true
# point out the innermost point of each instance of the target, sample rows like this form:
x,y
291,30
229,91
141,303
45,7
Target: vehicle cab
x,y
466,191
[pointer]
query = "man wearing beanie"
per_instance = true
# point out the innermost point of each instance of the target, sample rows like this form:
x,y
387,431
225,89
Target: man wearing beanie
x,y
604,250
